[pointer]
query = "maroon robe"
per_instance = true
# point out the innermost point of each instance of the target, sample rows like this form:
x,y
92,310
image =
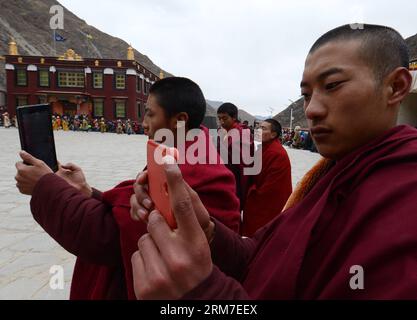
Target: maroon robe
x,y
269,190
101,233
363,212
242,180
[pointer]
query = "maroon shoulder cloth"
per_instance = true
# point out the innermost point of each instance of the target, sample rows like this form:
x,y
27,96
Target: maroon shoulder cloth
x,y
352,237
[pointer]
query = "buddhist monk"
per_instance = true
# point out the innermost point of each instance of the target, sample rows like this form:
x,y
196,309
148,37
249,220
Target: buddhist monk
x,y
270,189
227,115
348,232
97,227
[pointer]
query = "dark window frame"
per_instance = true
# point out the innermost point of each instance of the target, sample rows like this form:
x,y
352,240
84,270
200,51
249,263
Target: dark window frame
x,y
17,99
69,71
139,84
39,78
94,108
139,111
115,108
115,81
16,77
39,99
92,80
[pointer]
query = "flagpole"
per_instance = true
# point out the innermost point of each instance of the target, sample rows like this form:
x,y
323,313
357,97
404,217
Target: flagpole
x,y
88,46
54,43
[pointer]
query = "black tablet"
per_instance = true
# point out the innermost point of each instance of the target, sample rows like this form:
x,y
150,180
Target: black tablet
x,y
36,135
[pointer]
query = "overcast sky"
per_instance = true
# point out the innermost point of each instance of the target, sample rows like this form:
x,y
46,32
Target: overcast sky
x,y
247,52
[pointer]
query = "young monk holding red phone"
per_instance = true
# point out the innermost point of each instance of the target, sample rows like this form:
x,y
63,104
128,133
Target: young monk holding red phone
x,y
98,227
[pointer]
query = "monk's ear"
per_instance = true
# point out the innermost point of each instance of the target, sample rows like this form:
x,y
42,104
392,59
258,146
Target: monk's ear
x,y
399,84
181,120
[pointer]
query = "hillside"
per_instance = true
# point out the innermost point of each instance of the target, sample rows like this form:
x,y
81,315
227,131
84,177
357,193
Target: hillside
x,y
242,114
297,113
28,23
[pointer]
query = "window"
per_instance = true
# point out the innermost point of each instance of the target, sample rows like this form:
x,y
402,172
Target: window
x,y
97,80
145,87
21,101
120,108
139,84
139,106
44,78
71,79
42,99
120,81
98,105
21,77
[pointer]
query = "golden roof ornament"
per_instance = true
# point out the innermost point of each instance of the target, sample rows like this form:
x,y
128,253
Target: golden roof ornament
x,y
130,53
161,74
70,55
13,48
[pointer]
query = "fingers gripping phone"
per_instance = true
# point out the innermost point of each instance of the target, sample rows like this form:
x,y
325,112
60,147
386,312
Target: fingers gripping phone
x,y
158,186
36,134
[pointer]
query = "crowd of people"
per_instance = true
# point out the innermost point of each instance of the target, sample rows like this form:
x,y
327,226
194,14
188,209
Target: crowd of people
x,y
298,138
85,123
347,231
6,122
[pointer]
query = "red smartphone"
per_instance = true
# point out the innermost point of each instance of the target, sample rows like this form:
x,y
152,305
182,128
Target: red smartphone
x,y
158,187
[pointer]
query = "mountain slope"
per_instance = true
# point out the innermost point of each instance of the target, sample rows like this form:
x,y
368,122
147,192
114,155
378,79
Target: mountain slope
x,y
28,23
297,113
412,45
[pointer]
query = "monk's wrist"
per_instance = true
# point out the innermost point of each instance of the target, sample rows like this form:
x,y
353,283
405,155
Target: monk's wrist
x,y
87,190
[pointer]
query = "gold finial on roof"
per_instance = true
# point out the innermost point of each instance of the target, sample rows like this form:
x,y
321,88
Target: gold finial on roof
x,y
130,53
13,48
161,74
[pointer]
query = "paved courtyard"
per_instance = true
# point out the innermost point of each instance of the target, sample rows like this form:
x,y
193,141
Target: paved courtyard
x,y
26,251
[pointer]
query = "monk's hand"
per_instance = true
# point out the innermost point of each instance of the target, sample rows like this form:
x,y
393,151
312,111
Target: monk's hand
x,y
29,171
170,263
74,175
141,204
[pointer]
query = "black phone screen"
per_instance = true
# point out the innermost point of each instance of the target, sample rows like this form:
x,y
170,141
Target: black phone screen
x,y
36,135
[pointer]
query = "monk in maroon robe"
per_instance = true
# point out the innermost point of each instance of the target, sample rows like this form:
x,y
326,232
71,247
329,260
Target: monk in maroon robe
x,y
348,231
227,114
270,189
98,227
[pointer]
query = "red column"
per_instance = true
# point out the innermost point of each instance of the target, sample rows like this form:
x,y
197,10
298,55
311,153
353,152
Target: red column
x,y
131,101
108,101
10,86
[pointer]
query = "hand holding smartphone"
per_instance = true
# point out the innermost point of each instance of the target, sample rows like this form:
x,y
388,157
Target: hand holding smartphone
x,y
157,182
36,134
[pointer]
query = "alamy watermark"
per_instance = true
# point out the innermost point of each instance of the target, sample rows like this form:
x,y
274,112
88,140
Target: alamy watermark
x,y
357,281
57,282
236,147
357,13
57,20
